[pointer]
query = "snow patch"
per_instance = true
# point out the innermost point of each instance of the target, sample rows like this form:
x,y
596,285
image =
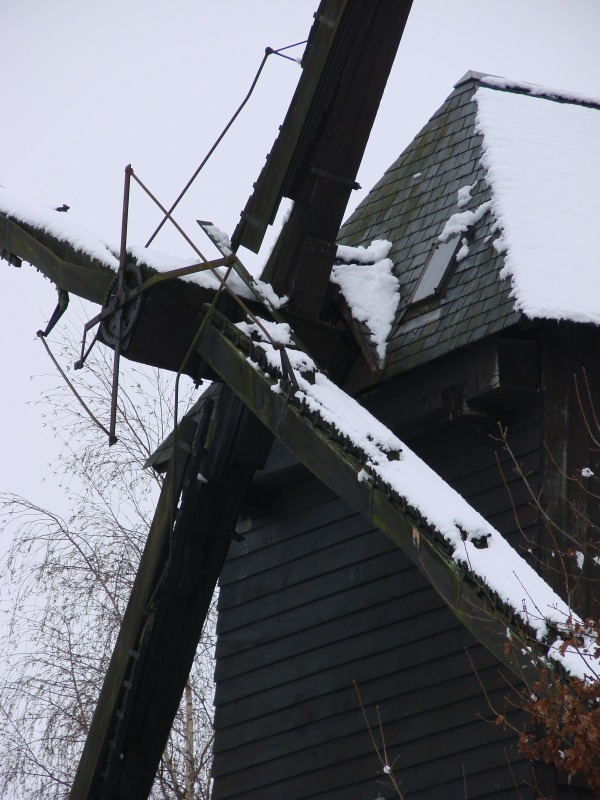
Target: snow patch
x,y
464,195
462,221
351,419
542,162
463,252
369,286
376,251
220,237
280,333
268,294
372,292
537,90
64,226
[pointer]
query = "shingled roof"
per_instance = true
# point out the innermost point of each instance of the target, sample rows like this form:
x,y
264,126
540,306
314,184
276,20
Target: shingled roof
x,y
413,201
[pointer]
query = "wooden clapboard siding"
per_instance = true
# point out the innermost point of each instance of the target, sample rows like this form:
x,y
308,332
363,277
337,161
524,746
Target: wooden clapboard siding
x,y
570,360
314,598
478,467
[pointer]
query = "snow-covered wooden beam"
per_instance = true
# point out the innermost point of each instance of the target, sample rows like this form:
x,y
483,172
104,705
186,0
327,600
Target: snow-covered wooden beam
x,y
70,269
484,581
77,260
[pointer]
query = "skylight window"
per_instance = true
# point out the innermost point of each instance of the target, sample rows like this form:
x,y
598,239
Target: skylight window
x,y
437,270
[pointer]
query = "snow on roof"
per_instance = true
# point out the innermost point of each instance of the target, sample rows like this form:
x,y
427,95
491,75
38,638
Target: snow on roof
x,y
542,162
162,262
369,286
537,90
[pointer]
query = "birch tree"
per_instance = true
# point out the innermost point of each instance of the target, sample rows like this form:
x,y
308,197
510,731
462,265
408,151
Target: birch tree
x,y
68,579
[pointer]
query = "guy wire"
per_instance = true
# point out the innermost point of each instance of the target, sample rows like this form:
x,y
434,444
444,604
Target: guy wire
x,y
268,51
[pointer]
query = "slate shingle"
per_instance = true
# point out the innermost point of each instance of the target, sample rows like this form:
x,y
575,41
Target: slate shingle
x,y
412,212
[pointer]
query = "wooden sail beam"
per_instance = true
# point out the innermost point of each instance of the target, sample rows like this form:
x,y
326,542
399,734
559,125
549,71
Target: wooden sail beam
x,y
70,269
171,596
172,309
333,77
242,365
316,156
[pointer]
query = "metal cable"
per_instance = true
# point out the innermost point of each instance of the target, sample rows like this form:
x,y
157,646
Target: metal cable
x,y
223,281
268,51
72,388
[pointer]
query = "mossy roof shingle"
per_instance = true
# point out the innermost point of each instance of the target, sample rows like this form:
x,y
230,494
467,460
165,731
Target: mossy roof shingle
x,y
411,212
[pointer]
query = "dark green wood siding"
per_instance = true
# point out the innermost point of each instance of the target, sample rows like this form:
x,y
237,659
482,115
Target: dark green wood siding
x,y
314,599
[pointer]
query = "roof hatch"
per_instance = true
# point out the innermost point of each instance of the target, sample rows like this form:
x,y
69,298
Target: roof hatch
x,y
437,270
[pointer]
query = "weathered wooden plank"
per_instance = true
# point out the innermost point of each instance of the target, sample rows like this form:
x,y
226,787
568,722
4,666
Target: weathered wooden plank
x,y
418,401
324,620
262,205
388,651
290,521
323,169
405,692
367,553
278,600
569,359
307,534
406,717
495,783
302,536
432,619
455,448
320,766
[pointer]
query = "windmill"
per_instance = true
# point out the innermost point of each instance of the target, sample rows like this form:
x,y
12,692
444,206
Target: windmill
x,y
314,162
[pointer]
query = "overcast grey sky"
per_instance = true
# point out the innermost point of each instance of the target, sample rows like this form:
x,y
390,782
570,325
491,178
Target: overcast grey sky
x,y
89,87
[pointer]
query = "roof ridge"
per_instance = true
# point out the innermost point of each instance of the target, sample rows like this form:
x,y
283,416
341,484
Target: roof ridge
x,y
521,87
